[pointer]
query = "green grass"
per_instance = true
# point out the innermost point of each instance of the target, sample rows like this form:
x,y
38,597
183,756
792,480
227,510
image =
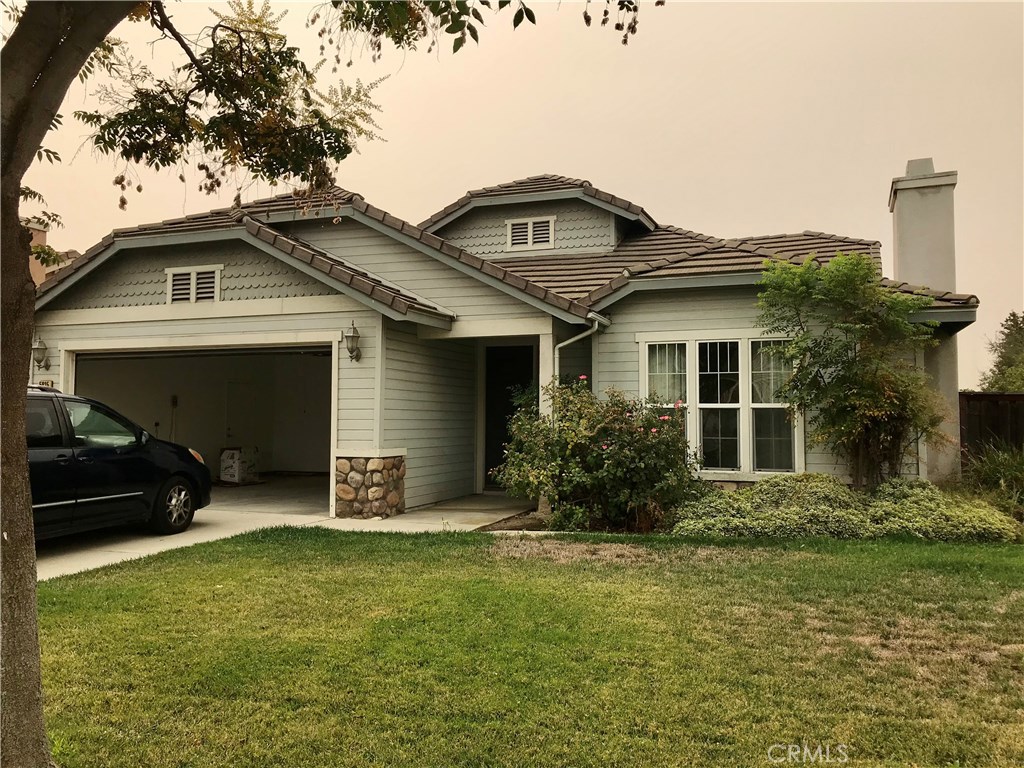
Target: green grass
x,y
307,647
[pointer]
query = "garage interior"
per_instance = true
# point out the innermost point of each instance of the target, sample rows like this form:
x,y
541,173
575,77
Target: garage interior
x,y
274,400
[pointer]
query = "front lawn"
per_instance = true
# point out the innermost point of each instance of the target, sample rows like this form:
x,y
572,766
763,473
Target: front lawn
x,y
308,647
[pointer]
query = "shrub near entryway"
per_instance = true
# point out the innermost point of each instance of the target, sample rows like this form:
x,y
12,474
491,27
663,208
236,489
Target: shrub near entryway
x,y
609,463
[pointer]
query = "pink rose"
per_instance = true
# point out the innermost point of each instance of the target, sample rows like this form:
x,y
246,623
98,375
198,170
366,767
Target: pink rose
x,y
679,404
653,430
583,377
605,447
664,418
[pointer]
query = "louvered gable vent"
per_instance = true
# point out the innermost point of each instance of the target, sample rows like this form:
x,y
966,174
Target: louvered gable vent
x,y
187,286
206,286
181,287
520,233
542,232
527,234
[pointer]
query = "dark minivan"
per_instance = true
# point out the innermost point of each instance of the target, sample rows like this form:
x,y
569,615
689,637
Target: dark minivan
x,y
90,467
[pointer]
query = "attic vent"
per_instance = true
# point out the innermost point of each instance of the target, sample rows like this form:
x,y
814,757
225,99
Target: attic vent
x,y
528,234
206,286
191,285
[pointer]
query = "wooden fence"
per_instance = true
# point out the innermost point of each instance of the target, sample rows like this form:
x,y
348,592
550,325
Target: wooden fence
x,y
991,417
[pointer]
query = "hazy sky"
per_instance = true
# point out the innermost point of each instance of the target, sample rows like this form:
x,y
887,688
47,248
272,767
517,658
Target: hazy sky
x,y
729,119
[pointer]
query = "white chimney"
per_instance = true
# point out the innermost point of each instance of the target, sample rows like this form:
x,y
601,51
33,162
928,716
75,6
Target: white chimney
x,y
921,204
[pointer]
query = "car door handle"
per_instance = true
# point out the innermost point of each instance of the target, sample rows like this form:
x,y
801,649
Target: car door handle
x,y
61,458
85,459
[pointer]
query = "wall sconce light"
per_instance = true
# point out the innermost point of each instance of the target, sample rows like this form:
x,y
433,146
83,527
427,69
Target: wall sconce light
x,y
39,354
352,343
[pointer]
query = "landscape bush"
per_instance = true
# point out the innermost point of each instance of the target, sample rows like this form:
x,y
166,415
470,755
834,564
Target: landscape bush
x,y
921,510
611,463
999,470
814,505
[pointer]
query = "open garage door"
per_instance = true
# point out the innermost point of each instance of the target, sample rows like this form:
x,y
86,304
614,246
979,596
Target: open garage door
x,y
276,400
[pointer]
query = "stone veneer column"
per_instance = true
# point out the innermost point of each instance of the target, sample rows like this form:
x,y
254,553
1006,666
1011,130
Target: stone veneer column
x,y
370,487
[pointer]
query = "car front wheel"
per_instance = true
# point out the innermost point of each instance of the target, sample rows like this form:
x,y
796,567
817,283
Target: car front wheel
x,y
175,507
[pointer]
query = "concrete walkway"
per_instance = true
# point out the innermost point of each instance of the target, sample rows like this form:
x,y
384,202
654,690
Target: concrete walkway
x,y
238,510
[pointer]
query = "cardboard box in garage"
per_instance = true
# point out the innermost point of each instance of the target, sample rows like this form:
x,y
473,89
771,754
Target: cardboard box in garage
x,y
239,465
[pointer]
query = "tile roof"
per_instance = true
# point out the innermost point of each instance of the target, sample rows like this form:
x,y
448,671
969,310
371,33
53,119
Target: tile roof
x,y
334,199
544,183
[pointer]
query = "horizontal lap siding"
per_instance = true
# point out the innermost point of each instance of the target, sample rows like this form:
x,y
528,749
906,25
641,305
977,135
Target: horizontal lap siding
x,y
136,278
699,310
430,410
414,271
579,226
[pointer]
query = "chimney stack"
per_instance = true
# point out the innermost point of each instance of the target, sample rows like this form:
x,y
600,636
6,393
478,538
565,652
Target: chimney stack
x,y
921,204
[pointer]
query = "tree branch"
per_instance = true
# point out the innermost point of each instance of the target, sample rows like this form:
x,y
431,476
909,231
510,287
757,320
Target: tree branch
x,y
88,24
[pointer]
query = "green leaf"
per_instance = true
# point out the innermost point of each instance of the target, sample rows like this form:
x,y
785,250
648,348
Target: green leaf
x,y
504,4
478,16
529,15
517,19
459,42
455,27
473,34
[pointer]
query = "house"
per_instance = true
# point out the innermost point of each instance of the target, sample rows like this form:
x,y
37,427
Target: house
x,y
334,336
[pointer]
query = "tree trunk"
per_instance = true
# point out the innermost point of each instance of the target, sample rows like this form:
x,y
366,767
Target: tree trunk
x,y
40,60
22,736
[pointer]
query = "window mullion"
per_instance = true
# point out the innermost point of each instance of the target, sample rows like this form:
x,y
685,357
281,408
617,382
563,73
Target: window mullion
x,y
746,426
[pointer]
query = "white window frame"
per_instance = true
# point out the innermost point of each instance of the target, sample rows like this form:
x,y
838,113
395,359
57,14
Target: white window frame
x,y
530,245
215,268
746,426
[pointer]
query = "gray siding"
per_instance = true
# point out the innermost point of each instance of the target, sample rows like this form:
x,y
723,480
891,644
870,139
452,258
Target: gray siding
x,y
430,409
579,227
136,278
700,311
423,275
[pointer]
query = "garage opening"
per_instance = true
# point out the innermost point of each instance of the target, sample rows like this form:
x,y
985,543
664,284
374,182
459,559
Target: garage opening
x,y
272,402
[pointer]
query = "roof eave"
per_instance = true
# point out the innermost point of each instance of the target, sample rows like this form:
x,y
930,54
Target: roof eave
x,y
467,203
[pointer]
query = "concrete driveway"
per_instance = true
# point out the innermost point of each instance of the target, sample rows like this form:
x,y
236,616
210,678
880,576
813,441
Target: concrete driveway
x,y
280,501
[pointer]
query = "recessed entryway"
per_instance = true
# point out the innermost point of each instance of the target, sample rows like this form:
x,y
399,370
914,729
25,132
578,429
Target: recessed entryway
x,y
509,369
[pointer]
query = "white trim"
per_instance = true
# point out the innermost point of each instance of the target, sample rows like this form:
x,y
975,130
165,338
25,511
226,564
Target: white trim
x,y
545,369
369,450
295,305
335,428
378,382
522,326
169,272
745,337
530,223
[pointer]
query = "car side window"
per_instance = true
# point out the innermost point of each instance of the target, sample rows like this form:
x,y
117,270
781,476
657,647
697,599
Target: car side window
x,y
96,428
41,425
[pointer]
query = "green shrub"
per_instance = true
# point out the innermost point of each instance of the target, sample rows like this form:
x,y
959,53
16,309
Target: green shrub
x,y
921,510
795,506
623,462
998,469
782,506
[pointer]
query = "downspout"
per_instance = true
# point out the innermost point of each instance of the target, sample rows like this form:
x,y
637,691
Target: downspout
x,y
598,323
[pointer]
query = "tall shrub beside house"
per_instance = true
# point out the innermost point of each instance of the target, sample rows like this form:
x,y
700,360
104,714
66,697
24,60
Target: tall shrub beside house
x,y
611,463
853,346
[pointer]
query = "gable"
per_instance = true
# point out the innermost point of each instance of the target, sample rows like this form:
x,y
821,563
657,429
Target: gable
x,y
578,227
137,278
418,273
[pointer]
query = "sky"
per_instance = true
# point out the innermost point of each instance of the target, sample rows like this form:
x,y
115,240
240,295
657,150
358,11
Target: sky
x,y
730,119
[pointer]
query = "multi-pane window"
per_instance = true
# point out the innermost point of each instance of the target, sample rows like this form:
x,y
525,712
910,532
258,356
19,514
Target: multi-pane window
x,y
718,387
737,418
191,285
773,429
666,373
525,234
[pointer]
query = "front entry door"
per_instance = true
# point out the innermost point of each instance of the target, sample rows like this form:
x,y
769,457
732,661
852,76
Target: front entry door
x,y
508,370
